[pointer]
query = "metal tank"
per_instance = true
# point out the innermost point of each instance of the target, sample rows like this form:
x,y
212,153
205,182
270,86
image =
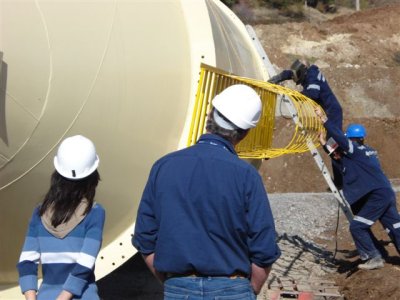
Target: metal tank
x,y
124,74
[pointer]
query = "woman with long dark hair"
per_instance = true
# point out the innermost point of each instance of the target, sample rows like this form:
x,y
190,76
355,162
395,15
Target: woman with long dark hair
x,y
65,231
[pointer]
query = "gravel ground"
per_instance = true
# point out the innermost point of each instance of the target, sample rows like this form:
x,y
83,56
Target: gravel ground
x,y
307,215
304,223
301,219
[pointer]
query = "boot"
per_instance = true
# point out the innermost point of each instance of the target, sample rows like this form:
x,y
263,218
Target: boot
x,y
372,263
351,254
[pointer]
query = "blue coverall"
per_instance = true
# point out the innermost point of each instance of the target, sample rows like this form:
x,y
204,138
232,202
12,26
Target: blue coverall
x,y
316,87
368,191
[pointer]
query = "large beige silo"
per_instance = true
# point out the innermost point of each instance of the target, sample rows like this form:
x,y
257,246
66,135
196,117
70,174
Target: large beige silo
x,y
124,74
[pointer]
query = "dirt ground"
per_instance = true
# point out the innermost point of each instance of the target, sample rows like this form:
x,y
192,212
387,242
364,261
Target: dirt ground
x,y
362,284
359,54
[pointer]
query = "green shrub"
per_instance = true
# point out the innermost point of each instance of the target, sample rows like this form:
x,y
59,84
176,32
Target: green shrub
x,y
281,4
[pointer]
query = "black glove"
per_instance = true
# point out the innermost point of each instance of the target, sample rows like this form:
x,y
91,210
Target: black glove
x,y
282,76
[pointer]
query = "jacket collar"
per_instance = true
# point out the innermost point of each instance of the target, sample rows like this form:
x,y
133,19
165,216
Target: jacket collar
x,y
210,138
62,230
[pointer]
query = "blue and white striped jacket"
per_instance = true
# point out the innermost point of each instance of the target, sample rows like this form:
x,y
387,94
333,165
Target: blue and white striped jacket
x,y
67,263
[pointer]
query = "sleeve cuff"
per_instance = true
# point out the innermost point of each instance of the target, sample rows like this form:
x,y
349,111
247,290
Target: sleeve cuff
x,y
287,74
140,248
28,282
74,285
267,262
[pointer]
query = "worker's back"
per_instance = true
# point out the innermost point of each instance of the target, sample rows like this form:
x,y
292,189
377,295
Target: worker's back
x,y
206,199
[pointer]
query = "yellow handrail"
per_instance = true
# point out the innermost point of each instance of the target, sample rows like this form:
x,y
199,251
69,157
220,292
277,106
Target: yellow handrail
x,y
258,143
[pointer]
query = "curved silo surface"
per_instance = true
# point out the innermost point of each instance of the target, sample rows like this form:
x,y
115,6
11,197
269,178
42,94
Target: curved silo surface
x,y
123,73
234,50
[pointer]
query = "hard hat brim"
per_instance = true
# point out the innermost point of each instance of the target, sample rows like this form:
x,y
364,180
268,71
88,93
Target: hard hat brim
x,y
82,175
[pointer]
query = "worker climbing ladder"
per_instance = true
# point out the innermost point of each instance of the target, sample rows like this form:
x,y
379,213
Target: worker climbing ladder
x,y
258,144
344,205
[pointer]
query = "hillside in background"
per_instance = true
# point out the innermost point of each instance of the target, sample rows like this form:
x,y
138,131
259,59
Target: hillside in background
x,y
359,54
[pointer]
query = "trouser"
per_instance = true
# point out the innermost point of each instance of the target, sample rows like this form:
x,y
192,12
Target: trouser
x,y
337,176
336,172
208,288
377,205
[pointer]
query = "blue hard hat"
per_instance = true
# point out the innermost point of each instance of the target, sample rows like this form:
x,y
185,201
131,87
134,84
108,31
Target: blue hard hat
x,y
356,131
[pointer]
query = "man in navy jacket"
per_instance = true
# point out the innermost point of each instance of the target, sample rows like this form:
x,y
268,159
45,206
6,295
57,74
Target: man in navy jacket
x,y
204,223
365,187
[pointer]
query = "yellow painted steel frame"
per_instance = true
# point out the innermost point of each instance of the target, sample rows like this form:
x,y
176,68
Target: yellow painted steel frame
x,y
258,143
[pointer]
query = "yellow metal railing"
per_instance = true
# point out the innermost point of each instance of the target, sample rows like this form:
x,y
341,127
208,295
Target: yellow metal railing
x,y
258,143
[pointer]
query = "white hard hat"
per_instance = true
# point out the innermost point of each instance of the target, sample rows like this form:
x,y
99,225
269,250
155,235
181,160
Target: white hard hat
x,y
240,104
76,158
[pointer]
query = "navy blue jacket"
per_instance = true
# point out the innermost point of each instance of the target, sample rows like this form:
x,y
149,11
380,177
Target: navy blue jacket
x,y
317,88
360,167
203,209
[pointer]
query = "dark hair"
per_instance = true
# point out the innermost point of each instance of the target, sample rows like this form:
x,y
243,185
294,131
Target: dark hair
x,y
65,195
234,136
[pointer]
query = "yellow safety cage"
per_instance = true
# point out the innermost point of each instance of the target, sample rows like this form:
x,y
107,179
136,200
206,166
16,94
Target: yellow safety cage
x,y
258,143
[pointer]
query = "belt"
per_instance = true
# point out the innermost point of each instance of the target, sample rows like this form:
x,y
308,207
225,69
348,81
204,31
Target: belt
x,y
196,274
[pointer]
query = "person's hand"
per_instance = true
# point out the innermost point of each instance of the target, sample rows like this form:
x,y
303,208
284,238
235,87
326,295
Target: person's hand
x,y
275,79
321,115
30,295
282,76
258,277
65,295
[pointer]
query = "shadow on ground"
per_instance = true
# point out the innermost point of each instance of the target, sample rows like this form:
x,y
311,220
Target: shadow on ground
x,y
131,281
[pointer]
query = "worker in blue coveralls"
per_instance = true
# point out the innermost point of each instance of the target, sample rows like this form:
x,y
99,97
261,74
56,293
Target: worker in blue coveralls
x,y
365,187
204,225
316,87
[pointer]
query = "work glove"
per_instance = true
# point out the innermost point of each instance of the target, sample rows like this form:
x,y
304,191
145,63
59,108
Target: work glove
x,y
282,76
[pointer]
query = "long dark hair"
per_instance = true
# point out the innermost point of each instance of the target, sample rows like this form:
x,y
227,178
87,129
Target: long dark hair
x,y
65,195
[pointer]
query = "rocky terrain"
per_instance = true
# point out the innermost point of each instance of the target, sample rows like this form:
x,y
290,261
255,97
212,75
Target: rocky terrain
x,y
358,52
